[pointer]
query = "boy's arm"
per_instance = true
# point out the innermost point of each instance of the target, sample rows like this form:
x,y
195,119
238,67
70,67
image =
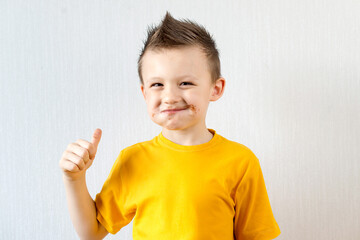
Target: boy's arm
x,y
82,209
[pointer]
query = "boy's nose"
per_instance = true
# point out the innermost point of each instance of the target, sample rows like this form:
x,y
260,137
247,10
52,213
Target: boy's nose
x,y
171,95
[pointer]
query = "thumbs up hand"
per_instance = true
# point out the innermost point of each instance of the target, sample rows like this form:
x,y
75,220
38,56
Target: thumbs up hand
x,y
79,156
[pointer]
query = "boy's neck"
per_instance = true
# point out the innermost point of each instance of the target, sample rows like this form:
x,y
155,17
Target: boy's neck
x,y
189,136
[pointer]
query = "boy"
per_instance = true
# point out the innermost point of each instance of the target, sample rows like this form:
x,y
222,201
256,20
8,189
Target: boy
x,y
188,182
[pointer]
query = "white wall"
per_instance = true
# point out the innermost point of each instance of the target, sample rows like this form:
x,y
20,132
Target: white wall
x,y
292,96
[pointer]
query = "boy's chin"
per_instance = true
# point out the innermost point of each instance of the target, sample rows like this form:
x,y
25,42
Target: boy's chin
x,y
172,127
177,127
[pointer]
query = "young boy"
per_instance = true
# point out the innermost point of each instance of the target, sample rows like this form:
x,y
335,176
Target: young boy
x,y
188,182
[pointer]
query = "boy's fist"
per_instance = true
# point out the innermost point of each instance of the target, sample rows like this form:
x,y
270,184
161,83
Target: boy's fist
x,y
79,156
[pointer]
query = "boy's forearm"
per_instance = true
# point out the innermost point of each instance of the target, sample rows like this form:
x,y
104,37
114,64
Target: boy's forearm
x,y
81,207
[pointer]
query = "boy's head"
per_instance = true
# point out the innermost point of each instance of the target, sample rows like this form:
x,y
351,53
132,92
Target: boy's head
x,y
179,69
172,33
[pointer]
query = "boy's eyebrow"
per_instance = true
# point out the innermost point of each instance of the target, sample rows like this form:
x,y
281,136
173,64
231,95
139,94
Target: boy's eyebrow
x,y
188,76
180,77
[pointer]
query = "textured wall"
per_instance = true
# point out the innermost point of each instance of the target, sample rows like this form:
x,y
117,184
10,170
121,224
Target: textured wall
x,y
292,96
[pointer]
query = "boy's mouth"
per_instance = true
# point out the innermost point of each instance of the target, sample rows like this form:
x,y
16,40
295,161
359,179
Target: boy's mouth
x,y
173,110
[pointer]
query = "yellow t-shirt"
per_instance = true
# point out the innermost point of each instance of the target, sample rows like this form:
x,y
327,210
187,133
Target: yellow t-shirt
x,y
213,190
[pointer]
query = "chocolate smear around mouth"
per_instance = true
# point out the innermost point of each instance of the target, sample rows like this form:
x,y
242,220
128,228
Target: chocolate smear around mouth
x,y
193,108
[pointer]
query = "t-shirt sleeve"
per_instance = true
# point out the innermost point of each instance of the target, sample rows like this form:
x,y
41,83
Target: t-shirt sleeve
x,y
110,203
253,214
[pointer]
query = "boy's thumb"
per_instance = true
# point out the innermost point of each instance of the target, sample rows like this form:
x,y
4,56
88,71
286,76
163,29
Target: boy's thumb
x,y
96,137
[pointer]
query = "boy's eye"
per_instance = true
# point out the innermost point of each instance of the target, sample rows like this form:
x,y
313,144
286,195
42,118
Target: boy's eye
x,y
187,83
155,84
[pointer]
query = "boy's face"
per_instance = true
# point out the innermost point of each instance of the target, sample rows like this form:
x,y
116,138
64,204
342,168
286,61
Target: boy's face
x,y
178,79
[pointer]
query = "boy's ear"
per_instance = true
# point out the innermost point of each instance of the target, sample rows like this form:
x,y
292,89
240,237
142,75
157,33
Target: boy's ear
x,y
217,89
143,91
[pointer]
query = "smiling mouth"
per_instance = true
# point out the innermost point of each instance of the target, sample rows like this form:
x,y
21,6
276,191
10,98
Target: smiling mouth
x,y
173,110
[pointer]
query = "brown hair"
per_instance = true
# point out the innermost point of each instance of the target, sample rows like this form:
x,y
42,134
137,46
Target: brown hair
x,y
172,33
